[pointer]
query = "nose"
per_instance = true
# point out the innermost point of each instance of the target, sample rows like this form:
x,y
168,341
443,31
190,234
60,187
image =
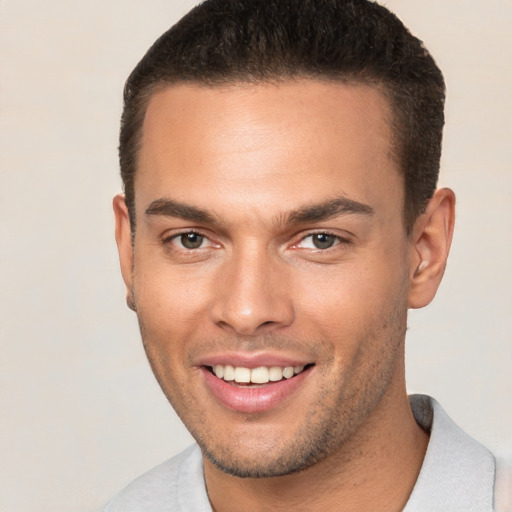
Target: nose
x,y
252,295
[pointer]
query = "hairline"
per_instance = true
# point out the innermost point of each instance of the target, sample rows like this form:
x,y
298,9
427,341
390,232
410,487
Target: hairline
x,y
147,93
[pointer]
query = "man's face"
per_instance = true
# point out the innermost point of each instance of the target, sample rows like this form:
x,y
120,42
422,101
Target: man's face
x,y
270,243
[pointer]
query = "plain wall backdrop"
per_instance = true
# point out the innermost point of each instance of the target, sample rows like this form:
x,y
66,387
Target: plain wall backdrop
x,y
81,414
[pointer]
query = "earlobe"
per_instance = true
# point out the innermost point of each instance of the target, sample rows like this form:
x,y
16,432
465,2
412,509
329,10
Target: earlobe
x,y
124,246
430,245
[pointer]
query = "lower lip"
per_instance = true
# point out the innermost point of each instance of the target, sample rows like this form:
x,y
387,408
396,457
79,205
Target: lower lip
x,y
248,399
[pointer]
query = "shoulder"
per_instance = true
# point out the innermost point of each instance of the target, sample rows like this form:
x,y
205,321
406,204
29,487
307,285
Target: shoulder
x,y
458,473
166,487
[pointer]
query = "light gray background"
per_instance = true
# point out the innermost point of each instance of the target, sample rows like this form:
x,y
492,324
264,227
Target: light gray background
x,y
81,414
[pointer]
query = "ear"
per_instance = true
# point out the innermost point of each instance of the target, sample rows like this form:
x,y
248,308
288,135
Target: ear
x,y
124,246
430,244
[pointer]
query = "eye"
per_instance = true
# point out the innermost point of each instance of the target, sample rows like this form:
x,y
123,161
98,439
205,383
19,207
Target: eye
x,y
319,241
189,240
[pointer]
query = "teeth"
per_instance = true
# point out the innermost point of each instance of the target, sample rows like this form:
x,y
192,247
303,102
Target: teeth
x,y
242,375
288,372
275,373
260,375
229,373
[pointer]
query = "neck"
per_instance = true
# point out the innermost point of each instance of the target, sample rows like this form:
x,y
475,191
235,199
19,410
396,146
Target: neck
x,y
375,470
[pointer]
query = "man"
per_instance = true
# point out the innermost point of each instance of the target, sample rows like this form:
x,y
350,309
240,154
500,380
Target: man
x,y
280,215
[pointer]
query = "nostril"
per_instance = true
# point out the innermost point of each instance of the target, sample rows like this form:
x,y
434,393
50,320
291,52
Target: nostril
x,y
250,314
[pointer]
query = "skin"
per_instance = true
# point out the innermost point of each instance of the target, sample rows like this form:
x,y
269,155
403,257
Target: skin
x,y
246,167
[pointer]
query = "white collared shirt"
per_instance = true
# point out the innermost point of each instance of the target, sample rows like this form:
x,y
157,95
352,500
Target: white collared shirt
x,y
457,475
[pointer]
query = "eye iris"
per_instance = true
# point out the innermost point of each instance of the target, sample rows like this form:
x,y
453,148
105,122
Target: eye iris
x,y
323,240
191,240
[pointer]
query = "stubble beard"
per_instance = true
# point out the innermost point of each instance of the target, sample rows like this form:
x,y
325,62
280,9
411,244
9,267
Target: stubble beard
x,y
322,435
329,425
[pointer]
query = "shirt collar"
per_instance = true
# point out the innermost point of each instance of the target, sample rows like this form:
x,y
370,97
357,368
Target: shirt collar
x,y
457,473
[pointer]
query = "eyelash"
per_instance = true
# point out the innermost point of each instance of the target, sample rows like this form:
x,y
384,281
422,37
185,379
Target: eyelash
x,y
169,239
338,240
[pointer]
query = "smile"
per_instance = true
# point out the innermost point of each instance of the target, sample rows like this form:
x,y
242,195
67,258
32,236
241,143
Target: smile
x,y
257,389
260,375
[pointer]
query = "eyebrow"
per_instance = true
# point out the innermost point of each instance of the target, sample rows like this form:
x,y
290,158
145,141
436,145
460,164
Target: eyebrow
x,y
310,213
171,208
329,209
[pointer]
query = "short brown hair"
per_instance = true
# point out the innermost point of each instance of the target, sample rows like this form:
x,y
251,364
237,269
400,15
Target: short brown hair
x,y
254,41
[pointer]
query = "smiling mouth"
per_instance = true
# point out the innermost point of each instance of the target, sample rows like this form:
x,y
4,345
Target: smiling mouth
x,y
239,375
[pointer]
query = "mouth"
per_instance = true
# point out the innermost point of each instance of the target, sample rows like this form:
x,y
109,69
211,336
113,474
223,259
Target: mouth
x,y
258,389
243,376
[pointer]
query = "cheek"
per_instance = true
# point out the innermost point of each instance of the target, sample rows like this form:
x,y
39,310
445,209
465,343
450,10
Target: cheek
x,y
169,298
352,300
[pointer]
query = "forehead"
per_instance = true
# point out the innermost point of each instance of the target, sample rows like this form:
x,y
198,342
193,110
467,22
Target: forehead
x,y
295,136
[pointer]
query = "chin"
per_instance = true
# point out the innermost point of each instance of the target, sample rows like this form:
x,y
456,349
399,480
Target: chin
x,y
264,466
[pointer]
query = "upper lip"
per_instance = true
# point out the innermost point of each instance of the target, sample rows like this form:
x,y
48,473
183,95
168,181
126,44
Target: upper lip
x,y
253,360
